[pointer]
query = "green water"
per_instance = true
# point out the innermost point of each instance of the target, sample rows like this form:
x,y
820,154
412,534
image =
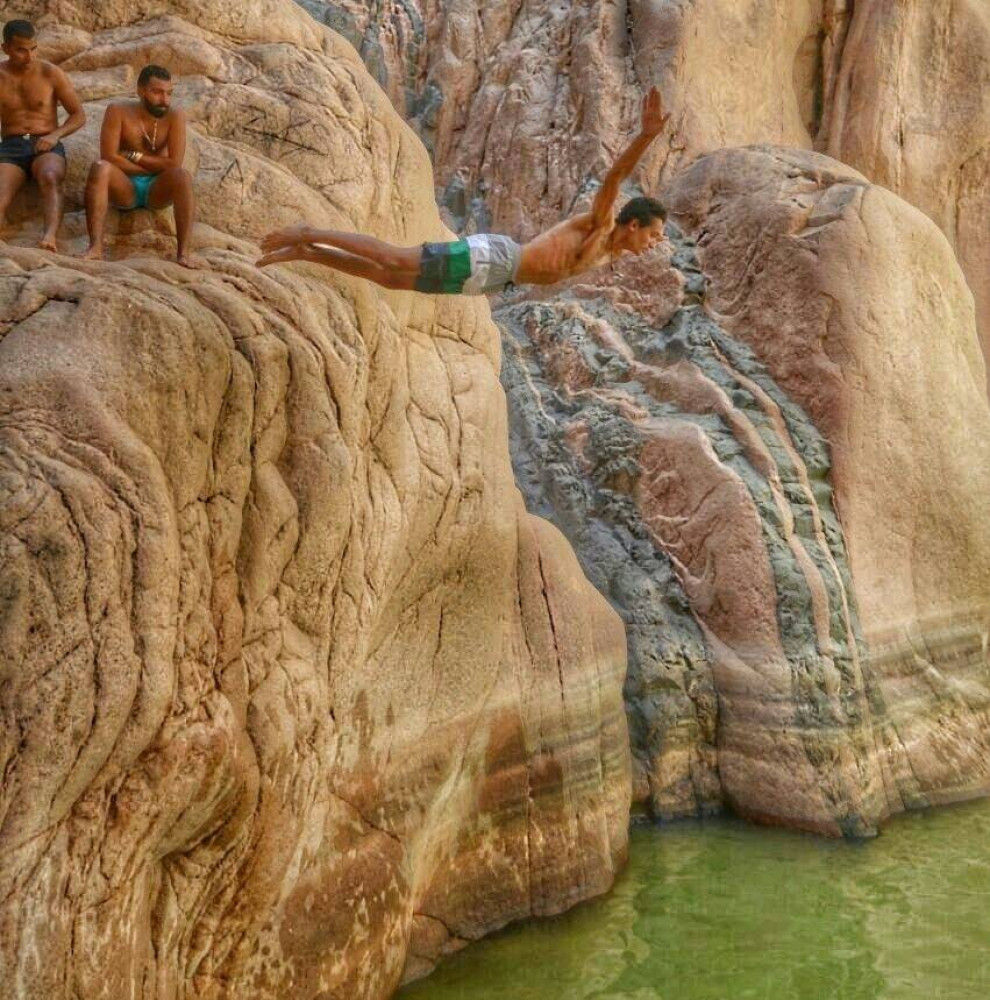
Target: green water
x,y
717,910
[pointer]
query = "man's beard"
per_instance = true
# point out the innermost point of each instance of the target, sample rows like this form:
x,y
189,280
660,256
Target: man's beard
x,y
156,110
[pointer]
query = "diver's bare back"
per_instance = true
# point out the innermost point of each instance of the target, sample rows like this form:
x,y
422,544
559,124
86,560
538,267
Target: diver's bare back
x,y
572,246
28,100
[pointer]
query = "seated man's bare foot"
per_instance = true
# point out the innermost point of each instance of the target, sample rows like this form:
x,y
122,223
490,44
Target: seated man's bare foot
x,y
283,256
287,237
93,253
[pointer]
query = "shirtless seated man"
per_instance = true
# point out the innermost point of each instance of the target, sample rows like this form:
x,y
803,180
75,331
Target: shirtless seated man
x,y
30,93
142,146
487,263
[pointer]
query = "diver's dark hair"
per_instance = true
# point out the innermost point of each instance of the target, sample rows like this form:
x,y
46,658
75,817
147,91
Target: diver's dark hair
x,y
153,72
644,210
17,29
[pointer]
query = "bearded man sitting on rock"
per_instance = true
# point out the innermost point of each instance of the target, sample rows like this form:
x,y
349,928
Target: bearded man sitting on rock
x,y
30,93
142,146
487,263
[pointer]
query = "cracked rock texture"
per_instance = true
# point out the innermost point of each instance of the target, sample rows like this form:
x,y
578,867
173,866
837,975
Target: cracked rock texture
x,y
525,103
773,456
294,695
909,106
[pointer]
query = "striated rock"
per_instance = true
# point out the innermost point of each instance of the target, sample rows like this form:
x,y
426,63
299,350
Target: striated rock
x,y
781,490
857,307
524,104
909,106
295,695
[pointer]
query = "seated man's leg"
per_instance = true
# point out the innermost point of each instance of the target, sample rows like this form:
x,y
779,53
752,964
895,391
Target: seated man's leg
x,y
106,184
11,179
48,170
175,187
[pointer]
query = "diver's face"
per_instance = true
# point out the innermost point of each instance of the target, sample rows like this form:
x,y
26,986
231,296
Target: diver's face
x,y
156,96
21,52
641,239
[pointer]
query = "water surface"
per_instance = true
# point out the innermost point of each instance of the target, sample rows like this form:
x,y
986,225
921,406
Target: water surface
x,y
718,910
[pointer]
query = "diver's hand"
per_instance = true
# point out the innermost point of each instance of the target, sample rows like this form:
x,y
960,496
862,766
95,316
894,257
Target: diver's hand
x,y
654,120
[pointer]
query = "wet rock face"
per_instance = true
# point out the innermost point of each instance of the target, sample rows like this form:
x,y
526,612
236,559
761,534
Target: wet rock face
x,y
703,512
524,104
295,695
753,471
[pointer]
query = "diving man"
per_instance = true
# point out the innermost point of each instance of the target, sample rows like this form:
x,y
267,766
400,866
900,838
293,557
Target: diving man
x,y
488,263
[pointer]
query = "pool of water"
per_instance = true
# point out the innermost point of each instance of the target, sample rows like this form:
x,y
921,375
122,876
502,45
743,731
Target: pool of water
x,y
717,910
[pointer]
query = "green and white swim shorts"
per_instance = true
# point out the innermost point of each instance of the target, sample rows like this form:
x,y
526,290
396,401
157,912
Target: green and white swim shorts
x,y
478,264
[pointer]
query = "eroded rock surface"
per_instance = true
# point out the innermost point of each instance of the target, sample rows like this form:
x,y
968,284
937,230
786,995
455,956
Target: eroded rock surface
x,y
524,104
781,489
910,107
295,695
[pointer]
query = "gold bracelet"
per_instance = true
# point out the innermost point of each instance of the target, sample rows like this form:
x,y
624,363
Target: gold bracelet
x,y
137,156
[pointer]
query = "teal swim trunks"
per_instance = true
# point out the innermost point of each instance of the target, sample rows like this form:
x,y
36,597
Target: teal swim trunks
x,y
473,266
142,186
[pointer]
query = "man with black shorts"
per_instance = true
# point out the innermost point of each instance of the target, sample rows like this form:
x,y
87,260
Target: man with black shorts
x,y
31,147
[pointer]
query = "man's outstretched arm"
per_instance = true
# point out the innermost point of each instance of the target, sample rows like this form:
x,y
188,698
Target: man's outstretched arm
x,y
654,121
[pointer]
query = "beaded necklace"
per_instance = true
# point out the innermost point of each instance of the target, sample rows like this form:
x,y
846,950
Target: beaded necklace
x,y
151,140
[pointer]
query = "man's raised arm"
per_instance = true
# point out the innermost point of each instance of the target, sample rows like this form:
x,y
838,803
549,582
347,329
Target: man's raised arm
x,y
654,121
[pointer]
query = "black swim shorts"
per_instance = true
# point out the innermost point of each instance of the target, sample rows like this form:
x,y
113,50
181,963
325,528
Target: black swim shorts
x,y
19,150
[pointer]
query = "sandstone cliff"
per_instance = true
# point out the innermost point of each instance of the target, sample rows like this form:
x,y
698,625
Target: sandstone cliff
x,y
524,102
774,458
295,696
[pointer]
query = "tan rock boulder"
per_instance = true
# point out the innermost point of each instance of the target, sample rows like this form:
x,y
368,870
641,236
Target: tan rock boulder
x,y
781,488
909,106
295,696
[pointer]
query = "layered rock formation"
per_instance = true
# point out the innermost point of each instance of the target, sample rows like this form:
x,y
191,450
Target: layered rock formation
x,y
525,103
777,472
295,695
